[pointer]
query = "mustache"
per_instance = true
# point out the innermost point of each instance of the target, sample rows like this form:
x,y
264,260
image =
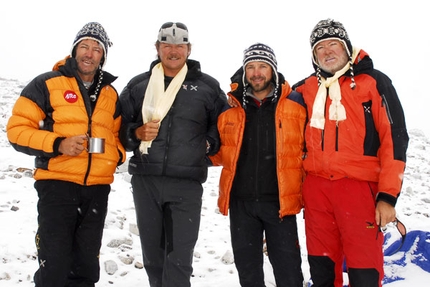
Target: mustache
x,y
257,78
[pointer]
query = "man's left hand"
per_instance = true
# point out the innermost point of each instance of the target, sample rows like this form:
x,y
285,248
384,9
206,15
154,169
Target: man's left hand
x,y
385,213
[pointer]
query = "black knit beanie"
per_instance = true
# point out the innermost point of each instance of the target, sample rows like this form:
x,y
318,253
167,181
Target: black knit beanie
x,y
93,31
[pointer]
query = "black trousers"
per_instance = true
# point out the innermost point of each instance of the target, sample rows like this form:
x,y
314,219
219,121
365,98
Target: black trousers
x,y
71,219
249,221
168,217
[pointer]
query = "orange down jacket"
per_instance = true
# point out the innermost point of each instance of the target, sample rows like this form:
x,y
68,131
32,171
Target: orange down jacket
x,y
290,120
55,105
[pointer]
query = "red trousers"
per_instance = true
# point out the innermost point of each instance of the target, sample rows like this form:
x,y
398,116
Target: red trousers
x,y
340,227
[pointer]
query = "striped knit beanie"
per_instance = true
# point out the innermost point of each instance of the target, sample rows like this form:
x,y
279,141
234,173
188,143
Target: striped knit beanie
x,y
93,31
331,29
261,53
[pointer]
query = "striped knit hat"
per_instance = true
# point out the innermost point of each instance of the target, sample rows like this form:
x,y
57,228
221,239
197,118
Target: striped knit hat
x,y
261,53
93,31
331,29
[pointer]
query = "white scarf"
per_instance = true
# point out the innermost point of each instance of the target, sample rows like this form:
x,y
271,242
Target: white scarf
x,y
157,102
336,110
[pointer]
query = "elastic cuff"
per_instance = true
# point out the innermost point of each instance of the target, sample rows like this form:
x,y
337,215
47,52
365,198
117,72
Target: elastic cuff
x,y
388,198
57,143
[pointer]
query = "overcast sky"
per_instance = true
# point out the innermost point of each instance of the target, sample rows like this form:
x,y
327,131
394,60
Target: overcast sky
x,y
36,34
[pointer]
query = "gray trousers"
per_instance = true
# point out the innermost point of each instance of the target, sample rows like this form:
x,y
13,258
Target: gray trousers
x,y
168,217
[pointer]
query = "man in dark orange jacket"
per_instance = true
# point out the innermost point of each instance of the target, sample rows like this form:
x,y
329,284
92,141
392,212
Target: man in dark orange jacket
x,y
262,141
51,120
356,143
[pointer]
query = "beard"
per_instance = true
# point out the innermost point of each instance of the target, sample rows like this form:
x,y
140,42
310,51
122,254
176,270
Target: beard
x,y
259,87
337,66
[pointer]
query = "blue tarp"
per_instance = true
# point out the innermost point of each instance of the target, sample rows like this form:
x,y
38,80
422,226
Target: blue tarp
x,y
415,250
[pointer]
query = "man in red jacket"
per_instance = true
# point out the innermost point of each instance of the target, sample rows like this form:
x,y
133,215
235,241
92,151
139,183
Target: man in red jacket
x,y
356,142
262,141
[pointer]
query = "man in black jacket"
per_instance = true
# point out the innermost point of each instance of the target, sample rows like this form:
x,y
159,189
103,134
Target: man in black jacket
x,y
170,123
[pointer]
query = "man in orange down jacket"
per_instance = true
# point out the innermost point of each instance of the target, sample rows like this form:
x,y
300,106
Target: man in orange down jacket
x,y
262,141
51,120
356,143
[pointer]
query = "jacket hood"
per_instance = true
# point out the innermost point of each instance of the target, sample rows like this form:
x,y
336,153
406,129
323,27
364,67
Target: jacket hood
x,y
362,63
69,67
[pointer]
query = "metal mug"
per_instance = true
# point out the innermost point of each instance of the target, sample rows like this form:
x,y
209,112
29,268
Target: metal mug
x,y
96,145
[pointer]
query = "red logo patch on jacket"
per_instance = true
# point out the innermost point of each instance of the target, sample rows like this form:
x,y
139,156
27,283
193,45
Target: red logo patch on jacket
x,y
70,96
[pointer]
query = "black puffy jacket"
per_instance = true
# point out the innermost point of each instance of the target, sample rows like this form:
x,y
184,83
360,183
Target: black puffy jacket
x,y
180,147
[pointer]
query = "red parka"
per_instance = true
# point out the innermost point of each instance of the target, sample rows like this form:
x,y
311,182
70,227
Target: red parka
x,y
371,144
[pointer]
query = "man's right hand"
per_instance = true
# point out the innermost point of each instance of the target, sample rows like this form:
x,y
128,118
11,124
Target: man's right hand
x,y
148,131
231,102
72,146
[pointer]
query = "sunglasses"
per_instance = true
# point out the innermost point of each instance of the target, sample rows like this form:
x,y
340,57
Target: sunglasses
x,y
170,24
402,230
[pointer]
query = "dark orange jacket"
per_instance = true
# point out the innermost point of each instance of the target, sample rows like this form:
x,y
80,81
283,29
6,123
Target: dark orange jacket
x,y
290,122
53,106
371,143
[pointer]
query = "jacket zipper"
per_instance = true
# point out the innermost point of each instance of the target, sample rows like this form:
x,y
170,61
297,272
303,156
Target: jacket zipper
x,y
166,151
257,185
337,138
387,108
90,113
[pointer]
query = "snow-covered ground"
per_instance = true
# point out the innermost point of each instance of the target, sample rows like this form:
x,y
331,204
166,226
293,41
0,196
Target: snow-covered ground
x,y
121,260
